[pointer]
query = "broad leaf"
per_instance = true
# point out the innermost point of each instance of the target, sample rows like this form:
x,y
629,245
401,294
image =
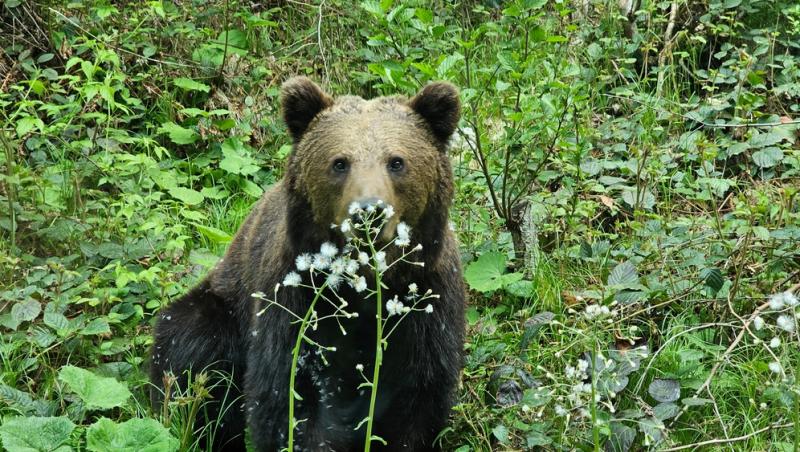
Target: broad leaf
x,y
624,274
134,435
236,158
178,134
488,273
95,391
187,195
34,434
665,390
190,85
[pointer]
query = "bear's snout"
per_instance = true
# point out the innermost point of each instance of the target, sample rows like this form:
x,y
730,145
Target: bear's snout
x,y
363,208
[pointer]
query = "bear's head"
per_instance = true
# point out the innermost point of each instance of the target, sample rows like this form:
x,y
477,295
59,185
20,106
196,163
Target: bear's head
x,y
350,150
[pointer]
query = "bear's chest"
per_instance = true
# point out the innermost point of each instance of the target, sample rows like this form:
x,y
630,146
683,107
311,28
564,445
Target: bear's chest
x,y
335,374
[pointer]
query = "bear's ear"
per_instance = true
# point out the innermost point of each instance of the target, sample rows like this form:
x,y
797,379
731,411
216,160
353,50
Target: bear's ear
x,y
301,101
439,105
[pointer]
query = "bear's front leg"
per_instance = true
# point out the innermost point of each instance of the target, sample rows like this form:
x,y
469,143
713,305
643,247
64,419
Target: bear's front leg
x,y
267,385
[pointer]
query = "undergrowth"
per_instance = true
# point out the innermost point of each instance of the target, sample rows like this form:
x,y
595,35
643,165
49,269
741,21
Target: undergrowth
x,y
627,204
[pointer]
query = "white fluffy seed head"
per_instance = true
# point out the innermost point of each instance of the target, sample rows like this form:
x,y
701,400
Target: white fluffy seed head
x,y
328,250
292,279
786,323
303,262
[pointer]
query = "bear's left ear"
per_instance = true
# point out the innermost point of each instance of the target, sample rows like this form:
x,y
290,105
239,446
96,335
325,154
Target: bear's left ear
x,y
439,105
301,101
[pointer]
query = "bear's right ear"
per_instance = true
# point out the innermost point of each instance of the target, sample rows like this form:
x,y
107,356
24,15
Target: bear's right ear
x,y
301,101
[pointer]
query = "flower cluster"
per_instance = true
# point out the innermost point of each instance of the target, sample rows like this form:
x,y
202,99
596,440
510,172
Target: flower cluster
x,y
784,309
329,268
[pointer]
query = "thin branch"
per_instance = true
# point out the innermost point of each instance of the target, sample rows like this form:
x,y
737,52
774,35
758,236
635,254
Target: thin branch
x,y
706,124
729,440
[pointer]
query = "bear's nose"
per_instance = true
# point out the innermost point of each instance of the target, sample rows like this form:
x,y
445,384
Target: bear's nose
x,y
368,208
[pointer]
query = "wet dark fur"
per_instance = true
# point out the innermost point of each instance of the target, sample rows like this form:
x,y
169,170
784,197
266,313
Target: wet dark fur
x,y
214,326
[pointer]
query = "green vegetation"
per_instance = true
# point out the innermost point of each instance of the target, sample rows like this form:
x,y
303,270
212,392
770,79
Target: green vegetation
x,y
627,205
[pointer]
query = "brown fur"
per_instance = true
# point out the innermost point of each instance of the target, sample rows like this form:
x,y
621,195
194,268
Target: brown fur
x,y
213,325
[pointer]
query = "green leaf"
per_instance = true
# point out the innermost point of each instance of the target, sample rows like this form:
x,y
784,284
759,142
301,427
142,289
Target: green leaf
x,y
761,140
27,123
178,134
665,390
473,315
134,435
666,410
768,157
237,159
488,273
96,326
448,64
501,433
214,234
187,195
25,311
190,85
96,392
713,278
251,188
624,274
621,438
34,434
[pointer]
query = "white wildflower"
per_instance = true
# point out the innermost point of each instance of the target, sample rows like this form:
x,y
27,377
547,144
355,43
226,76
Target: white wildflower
x,y
583,365
388,212
292,279
786,323
338,266
790,299
333,280
345,226
360,367
429,309
412,288
360,284
320,262
775,367
353,208
395,306
328,250
380,258
775,342
363,258
403,235
351,267
303,262
561,411
595,311
758,323
776,301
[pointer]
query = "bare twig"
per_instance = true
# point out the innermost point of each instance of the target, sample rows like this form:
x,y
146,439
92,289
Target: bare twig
x,y
707,124
319,42
745,328
662,56
728,440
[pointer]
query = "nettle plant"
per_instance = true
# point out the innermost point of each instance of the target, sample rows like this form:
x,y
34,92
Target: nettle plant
x,y
325,273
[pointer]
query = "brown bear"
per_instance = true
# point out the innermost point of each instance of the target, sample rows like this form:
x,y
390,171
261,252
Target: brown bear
x,y
346,150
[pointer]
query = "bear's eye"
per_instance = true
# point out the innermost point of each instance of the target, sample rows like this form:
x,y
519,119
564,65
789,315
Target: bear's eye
x,y
396,164
340,165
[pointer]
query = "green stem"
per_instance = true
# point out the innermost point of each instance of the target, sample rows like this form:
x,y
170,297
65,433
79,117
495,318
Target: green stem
x,y
295,354
593,404
378,350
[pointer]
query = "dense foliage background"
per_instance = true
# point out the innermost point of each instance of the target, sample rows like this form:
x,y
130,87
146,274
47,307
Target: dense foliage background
x,y
627,204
